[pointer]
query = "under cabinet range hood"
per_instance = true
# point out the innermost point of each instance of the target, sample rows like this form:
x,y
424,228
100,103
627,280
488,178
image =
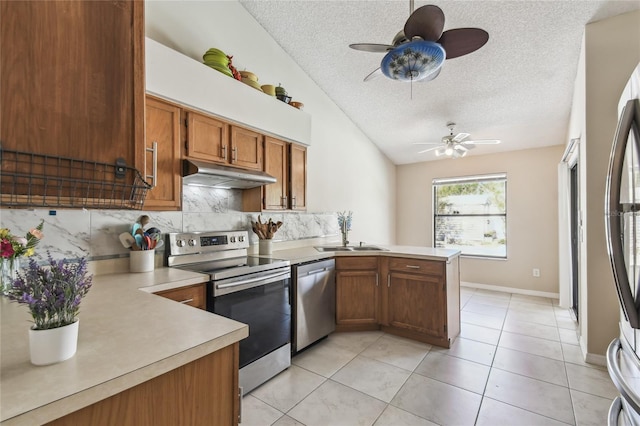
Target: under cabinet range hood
x,y
202,173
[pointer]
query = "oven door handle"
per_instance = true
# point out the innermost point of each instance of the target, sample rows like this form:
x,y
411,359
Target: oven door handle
x,y
286,274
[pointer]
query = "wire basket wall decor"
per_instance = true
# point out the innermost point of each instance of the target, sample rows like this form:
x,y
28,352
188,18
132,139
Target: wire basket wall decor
x,y
35,180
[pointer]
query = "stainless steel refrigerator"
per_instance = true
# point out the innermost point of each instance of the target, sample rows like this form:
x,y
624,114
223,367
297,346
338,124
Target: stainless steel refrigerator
x,y
622,213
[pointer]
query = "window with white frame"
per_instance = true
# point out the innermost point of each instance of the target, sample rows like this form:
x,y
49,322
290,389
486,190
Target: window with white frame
x,y
470,215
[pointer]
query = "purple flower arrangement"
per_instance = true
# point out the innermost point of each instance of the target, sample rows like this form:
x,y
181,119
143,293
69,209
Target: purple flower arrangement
x,y
52,292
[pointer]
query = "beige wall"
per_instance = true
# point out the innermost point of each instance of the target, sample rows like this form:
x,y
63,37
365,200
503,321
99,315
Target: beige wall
x,y
532,214
612,51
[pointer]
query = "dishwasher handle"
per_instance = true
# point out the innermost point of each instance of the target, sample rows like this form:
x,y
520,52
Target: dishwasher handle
x,y
317,271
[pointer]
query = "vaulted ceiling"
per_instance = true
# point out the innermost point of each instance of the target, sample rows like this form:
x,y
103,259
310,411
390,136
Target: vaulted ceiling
x,y
517,88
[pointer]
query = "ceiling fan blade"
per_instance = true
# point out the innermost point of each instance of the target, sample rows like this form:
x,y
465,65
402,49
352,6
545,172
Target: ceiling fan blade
x,y
426,22
461,41
430,149
482,142
460,137
431,76
371,47
460,147
373,75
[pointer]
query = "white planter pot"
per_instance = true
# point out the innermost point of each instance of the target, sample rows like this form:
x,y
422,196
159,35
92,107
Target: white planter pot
x,y
53,345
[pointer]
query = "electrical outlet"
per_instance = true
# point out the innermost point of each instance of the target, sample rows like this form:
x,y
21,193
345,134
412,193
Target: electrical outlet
x,y
536,272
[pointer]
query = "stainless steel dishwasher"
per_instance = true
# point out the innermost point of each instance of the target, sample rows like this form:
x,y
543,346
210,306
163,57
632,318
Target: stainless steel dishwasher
x,y
314,292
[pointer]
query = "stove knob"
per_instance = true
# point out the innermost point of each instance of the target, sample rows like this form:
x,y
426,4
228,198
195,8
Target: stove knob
x,y
192,242
180,243
241,238
233,239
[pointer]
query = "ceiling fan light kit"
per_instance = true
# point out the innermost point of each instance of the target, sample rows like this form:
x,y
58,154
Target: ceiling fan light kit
x,y
413,61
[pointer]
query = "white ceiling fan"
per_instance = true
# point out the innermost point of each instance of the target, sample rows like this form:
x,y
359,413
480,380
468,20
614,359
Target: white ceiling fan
x,y
455,146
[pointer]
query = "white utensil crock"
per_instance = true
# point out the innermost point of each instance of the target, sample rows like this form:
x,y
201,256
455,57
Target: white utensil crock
x,y
142,260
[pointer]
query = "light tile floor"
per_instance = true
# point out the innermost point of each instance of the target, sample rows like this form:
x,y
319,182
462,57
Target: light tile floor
x,y
516,362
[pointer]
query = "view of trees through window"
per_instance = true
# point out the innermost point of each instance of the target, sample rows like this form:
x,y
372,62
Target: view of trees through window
x,y
470,214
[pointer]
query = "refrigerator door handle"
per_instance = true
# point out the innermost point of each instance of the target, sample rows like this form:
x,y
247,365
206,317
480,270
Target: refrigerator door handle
x,y
617,378
629,122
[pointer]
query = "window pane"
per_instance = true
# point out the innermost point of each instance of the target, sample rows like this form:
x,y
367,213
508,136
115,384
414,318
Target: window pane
x,y
471,198
470,215
473,235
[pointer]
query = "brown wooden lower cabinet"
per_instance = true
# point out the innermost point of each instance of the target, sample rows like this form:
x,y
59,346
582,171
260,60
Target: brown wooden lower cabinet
x,y
414,298
202,392
357,293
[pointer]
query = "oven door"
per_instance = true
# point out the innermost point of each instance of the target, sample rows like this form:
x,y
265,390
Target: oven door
x,y
263,301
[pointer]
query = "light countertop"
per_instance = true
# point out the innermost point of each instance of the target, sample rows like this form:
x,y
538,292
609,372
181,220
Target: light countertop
x,y
126,337
309,253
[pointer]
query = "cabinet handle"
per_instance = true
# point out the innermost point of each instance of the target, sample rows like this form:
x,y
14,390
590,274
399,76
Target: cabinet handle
x,y
234,154
240,391
224,152
377,279
388,280
293,201
186,301
412,266
154,170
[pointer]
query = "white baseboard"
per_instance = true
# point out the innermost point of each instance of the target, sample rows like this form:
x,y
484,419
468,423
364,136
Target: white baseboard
x,y
510,290
592,358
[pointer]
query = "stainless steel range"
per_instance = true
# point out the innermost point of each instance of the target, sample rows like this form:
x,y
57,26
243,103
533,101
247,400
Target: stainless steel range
x,y
252,290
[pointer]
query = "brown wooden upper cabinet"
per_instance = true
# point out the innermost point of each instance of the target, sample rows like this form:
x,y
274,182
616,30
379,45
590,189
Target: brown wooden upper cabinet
x,y
72,78
207,138
287,162
276,163
214,140
298,177
162,155
246,148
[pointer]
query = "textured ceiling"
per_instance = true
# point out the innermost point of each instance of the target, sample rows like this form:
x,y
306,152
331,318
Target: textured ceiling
x,y
517,88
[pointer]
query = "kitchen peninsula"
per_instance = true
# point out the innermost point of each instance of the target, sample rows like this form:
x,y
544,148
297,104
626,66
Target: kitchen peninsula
x,y
130,338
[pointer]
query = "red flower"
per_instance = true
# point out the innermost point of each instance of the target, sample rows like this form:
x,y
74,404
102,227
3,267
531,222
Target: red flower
x,y
6,249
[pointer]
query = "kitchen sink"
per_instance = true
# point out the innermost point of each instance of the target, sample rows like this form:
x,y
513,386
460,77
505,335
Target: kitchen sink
x,y
333,248
349,248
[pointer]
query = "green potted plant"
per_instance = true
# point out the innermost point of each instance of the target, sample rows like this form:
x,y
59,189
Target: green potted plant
x,y
53,294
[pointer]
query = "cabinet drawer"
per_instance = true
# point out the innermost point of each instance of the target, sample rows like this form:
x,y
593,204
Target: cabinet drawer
x,y
193,295
417,266
346,263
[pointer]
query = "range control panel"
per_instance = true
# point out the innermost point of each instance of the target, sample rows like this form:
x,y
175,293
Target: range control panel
x,y
205,242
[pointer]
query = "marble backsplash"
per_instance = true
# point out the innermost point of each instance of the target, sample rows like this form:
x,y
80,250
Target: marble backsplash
x,y
94,233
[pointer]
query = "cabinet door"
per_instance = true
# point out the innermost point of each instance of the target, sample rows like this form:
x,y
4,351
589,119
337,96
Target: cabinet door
x,y
72,79
357,297
298,181
162,156
207,139
416,303
246,148
276,164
